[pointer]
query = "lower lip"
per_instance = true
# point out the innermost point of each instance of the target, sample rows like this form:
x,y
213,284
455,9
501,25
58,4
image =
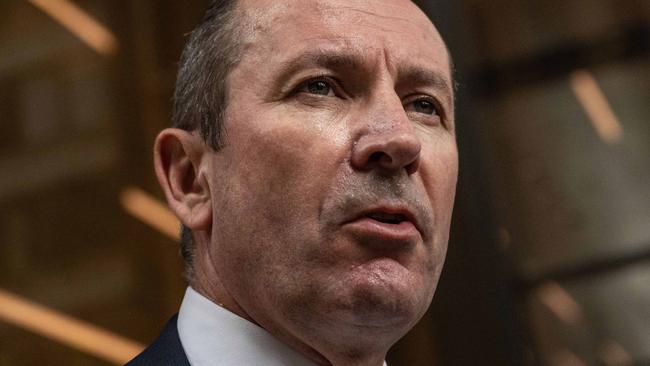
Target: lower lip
x,y
405,231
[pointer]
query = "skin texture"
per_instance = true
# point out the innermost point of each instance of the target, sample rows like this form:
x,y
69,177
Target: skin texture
x,y
325,121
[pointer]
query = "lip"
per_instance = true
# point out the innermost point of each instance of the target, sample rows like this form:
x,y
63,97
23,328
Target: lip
x,y
405,231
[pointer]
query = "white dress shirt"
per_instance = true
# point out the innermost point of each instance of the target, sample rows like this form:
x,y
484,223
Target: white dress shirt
x,y
214,336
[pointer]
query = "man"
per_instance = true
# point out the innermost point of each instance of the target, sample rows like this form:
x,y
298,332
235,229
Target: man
x,y
313,166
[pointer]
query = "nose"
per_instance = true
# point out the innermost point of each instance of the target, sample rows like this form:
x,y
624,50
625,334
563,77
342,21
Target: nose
x,y
388,145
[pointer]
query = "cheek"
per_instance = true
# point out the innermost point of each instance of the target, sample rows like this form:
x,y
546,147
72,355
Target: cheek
x,y
289,157
283,168
439,171
278,173
273,182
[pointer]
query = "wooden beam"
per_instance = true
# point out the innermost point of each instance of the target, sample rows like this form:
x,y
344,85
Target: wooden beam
x,y
67,330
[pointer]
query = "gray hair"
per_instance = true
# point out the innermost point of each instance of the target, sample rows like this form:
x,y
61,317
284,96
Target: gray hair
x,y
200,98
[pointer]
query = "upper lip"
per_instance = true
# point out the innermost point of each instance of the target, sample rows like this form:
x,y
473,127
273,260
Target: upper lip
x,y
401,210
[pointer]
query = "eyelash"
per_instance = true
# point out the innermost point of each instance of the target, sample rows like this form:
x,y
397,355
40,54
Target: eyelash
x,y
334,84
424,98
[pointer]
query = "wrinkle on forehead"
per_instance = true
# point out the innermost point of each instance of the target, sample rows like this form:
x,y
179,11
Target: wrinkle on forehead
x,y
274,25
265,14
413,22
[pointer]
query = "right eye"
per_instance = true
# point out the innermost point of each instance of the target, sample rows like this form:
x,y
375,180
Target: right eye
x,y
317,87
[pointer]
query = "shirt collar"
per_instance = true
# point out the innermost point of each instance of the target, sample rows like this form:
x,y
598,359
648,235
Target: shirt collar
x,y
214,336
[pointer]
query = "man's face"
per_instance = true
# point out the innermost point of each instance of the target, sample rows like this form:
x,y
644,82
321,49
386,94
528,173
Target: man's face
x,y
333,194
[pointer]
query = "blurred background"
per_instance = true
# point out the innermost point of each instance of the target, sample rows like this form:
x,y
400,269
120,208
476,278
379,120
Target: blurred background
x,y
549,259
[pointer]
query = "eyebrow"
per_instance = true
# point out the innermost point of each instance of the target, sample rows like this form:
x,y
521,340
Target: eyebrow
x,y
321,58
351,60
420,76
414,75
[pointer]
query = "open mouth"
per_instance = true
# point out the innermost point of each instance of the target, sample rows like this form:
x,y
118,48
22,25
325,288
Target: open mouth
x,y
387,218
386,226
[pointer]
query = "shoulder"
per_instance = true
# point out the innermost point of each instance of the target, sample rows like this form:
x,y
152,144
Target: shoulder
x,y
166,350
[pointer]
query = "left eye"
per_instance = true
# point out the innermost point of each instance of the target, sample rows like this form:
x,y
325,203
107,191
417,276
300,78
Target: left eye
x,y
317,87
424,107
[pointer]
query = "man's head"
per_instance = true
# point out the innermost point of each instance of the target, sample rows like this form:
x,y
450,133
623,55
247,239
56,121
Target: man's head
x,y
324,214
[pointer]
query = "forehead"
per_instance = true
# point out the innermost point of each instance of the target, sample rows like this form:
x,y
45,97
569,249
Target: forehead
x,y
394,29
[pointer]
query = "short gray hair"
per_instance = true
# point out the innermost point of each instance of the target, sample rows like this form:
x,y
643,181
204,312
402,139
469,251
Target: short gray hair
x,y
200,98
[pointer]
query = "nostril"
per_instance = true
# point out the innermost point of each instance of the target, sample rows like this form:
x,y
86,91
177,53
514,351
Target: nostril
x,y
413,167
375,157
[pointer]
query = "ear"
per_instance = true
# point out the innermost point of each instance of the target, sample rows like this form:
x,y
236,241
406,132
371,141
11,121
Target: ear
x,y
179,160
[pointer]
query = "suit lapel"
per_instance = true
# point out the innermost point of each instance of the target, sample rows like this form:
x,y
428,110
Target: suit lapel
x,y
166,350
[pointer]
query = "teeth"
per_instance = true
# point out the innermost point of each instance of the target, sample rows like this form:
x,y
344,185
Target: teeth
x,y
386,217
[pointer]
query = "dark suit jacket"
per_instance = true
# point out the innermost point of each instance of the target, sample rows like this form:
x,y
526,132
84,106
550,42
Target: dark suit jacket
x,y
166,350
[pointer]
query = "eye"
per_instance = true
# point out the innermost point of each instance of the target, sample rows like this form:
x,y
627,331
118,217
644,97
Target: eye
x,y
317,87
425,107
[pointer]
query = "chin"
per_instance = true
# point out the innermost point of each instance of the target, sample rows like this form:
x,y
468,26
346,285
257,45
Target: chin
x,y
385,294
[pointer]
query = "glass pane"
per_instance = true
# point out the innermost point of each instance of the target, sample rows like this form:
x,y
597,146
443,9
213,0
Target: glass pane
x,y
563,195
600,320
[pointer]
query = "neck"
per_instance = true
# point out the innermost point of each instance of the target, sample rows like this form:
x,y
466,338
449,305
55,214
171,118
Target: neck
x,y
338,347
346,351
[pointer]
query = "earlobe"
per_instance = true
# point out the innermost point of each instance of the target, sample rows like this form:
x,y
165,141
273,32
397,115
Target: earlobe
x,y
179,157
